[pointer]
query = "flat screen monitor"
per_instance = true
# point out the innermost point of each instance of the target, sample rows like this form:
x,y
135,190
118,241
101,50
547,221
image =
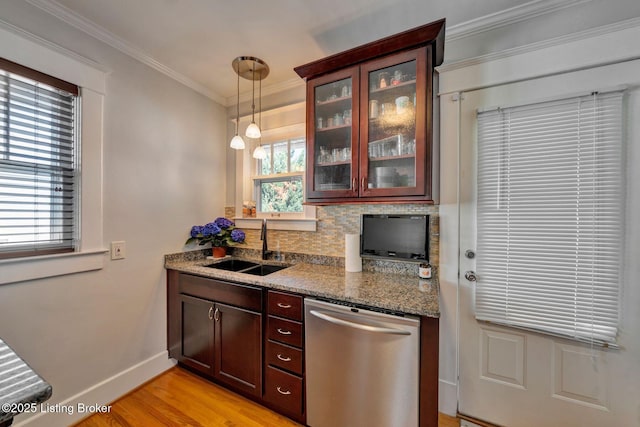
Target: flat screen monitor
x,y
401,237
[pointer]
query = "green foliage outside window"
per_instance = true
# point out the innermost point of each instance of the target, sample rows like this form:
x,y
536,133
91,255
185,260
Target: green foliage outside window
x,y
282,194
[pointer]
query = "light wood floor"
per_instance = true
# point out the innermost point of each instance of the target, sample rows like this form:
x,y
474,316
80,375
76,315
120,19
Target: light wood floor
x,y
180,398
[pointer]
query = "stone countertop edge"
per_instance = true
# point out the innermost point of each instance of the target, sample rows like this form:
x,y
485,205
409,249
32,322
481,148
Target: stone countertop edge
x,y
396,292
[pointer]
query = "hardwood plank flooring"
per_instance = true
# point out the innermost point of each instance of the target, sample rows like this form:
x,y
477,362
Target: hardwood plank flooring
x,y
179,398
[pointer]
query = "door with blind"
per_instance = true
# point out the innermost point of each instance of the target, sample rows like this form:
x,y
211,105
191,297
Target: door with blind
x,y
544,334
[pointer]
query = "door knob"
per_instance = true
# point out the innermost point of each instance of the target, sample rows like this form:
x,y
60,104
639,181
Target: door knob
x,y
470,276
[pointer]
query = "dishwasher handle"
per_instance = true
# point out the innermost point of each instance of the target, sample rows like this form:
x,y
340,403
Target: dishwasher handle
x,y
337,321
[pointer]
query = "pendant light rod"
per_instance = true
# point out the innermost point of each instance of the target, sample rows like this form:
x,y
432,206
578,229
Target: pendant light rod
x,y
253,93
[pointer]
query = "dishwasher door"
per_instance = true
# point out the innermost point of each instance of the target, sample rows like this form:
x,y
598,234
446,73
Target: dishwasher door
x,y
362,367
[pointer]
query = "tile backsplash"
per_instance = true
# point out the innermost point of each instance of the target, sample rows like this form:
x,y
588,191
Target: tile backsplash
x,y
334,222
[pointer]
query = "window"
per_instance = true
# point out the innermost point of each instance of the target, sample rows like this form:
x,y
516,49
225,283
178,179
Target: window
x,y
38,174
550,231
279,186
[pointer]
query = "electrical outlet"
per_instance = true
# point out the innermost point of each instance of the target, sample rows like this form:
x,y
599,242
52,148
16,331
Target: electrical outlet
x,y
118,250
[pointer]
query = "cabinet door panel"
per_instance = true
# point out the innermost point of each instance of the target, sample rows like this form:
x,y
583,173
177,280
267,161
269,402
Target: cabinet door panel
x,y
238,344
196,325
285,391
393,127
332,135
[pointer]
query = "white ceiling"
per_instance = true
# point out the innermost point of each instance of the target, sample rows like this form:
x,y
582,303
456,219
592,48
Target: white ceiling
x,y
195,41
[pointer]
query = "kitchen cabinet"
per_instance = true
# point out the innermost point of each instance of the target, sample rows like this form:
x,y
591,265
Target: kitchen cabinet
x,y
370,121
284,354
215,328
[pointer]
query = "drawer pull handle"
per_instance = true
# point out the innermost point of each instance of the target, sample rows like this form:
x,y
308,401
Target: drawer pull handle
x,y
281,305
211,313
284,359
280,331
282,392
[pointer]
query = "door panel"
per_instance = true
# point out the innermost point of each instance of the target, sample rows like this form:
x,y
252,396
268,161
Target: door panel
x,y
238,348
196,349
516,378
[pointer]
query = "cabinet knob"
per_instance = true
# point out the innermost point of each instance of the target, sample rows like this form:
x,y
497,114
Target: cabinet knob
x,y
362,183
211,313
354,184
216,315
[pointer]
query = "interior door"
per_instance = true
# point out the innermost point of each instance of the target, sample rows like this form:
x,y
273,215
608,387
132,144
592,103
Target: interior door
x,y
511,377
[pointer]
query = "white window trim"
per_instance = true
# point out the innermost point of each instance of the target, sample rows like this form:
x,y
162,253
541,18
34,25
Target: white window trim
x,y
31,51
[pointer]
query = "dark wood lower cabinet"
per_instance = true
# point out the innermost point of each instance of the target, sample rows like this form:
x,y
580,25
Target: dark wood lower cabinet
x,y
196,347
216,328
284,391
238,339
217,339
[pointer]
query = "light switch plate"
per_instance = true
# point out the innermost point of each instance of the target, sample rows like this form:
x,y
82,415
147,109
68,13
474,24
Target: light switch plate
x,y
118,249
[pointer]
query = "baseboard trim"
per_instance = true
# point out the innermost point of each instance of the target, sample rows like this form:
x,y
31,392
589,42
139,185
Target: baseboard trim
x,y
474,421
101,393
447,397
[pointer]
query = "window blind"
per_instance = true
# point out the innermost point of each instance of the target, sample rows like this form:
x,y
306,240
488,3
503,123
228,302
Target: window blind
x,y
38,174
550,229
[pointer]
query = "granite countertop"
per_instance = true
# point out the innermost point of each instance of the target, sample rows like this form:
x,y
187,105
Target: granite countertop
x,y
391,291
20,386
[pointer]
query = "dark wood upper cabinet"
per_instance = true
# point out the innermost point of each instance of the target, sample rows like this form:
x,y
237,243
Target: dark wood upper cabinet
x,y
370,121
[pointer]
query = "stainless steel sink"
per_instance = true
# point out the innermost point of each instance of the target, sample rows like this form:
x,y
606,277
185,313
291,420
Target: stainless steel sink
x,y
248,267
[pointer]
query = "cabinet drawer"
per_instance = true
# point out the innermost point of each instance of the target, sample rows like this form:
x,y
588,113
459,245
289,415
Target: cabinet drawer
x,y
283,390
284,357
238,295
284,331
285,305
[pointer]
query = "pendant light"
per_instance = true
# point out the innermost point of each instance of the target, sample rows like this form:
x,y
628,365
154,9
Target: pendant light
x,y
251,68
260,153
237,142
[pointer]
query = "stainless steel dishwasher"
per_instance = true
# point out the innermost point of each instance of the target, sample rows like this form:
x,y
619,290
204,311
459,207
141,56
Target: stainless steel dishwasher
x,y
362,367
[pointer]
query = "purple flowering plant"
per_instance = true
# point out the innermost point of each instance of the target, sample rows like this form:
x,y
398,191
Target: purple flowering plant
x,y
220,232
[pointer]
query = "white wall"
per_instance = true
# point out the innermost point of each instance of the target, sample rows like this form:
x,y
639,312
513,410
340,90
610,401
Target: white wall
x,y
164,170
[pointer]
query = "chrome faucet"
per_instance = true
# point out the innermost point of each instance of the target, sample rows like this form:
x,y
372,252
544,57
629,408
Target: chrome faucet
x,y
263,237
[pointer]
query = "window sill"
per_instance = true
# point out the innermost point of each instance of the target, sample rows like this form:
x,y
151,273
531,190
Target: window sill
x,y
31,268
292,224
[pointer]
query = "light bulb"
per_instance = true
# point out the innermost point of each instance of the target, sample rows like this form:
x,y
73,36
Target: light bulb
x,y
259,153
253,131
237,142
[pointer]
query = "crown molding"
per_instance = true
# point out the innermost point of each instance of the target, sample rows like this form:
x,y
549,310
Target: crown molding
x,y
581,35
52,46
506,17
89,27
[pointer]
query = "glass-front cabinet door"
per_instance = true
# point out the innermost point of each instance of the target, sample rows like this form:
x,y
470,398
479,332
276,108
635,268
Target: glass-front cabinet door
x,y
332,135
392,141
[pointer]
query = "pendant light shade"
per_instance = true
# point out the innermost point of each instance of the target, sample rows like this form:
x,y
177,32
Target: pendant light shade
x,y
237,142
260,153
253,131
250,68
